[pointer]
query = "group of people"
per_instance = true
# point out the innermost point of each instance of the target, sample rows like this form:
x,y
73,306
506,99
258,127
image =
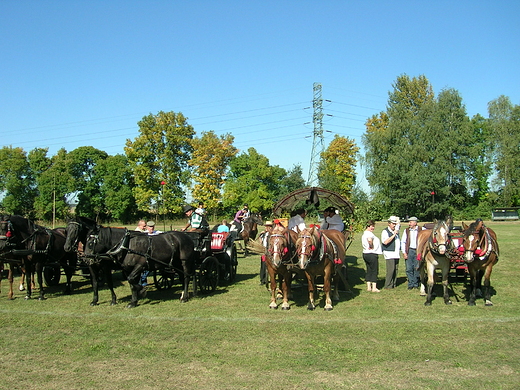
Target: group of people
x,y
390,245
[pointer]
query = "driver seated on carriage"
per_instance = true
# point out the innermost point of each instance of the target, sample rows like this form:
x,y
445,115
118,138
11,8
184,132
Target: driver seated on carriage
x,y
240,216
197,221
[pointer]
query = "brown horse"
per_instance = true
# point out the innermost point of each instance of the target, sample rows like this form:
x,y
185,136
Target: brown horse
x,y
481,252
320,255
280,250
249,229
432,248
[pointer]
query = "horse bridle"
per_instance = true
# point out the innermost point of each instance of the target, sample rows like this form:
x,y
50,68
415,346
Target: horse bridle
x,y
434,243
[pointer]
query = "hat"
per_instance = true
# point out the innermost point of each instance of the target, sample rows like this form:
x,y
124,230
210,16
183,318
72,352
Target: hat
x,y
393,219
187,208
413,219
150,223
268,223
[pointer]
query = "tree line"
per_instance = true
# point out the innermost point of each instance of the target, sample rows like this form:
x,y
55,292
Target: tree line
x,y
423,156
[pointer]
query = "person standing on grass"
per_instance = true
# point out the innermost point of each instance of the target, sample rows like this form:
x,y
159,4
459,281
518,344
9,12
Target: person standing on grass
x,y
409,249
391,246
371,251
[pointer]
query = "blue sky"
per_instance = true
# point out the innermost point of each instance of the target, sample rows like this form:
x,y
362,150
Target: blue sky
x,y
76,73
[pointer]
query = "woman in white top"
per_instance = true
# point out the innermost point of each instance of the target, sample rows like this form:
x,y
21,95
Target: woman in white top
x,y
371,251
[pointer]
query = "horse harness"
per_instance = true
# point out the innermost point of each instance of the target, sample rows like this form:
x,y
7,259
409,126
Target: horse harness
x,y
30,240
484,241
123,246
324,242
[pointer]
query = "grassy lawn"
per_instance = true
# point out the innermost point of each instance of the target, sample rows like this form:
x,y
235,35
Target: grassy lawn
x,y
231,339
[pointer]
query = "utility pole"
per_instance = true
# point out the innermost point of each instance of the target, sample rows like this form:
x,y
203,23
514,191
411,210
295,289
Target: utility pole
x,y
317,142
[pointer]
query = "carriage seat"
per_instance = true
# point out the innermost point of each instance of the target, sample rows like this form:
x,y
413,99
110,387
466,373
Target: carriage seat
x,y
218,240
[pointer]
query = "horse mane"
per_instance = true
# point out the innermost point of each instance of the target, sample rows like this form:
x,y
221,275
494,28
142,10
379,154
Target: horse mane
x,y
474,227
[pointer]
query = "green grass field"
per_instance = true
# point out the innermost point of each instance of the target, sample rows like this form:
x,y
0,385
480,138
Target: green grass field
x,y
232,340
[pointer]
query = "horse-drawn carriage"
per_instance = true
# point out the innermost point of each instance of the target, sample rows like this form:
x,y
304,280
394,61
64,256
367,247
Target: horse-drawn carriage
x,y
215,261
310,253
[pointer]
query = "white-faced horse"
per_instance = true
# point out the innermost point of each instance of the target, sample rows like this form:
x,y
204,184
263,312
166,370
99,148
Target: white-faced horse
x,y
481,252
432,249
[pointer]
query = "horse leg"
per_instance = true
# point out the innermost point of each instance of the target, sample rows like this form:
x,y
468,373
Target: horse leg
x,y
473,276
69,267
445,275
286,288
94,277
138,291
107,272
310,282
327,278
272,283
431,281
422,278
39,273
10,277
487,285
185,293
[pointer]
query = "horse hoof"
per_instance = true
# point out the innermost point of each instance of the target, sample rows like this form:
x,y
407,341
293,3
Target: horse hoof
x,y
328,309
471,304
21,288
27,297
489,303
310,308
448,302
93,303
427,303
131,305
286,308
273,307
113,303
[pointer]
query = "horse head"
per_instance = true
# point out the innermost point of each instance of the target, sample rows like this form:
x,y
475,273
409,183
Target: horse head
x,y
440,238
473,240
307,246
76,231
278,246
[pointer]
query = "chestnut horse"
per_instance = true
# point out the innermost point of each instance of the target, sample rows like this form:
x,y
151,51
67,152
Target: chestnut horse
x,y
280,250
432,249
481,252
319,254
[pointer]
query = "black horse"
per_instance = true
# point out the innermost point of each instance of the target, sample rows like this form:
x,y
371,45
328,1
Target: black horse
x,y
77,231
135,252
35,246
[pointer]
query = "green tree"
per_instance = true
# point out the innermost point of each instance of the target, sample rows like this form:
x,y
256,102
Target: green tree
x,y
209,162
116,184
54,183
292,181
160,155
252,180
16,182
337,171
82,164
505,124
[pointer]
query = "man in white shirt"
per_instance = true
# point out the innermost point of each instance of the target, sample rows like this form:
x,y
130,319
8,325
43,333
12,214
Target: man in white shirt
x,y
332,220
409,249
297,222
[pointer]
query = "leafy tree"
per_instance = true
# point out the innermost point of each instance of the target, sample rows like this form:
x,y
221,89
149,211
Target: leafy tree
x,y
54,183
210,161
481,156
337,166
16,182
292,181
82,163
160,155
252,180
116,188
505,124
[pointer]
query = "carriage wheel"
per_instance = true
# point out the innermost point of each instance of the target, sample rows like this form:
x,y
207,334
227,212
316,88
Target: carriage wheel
x,y
162,279
51,275
234,264
209,274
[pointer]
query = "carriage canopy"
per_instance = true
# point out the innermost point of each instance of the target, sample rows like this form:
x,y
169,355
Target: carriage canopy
x,y
313,195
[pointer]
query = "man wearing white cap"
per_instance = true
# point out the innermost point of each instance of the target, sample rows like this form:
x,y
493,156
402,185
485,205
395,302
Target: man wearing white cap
x,y
409,249
391,244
